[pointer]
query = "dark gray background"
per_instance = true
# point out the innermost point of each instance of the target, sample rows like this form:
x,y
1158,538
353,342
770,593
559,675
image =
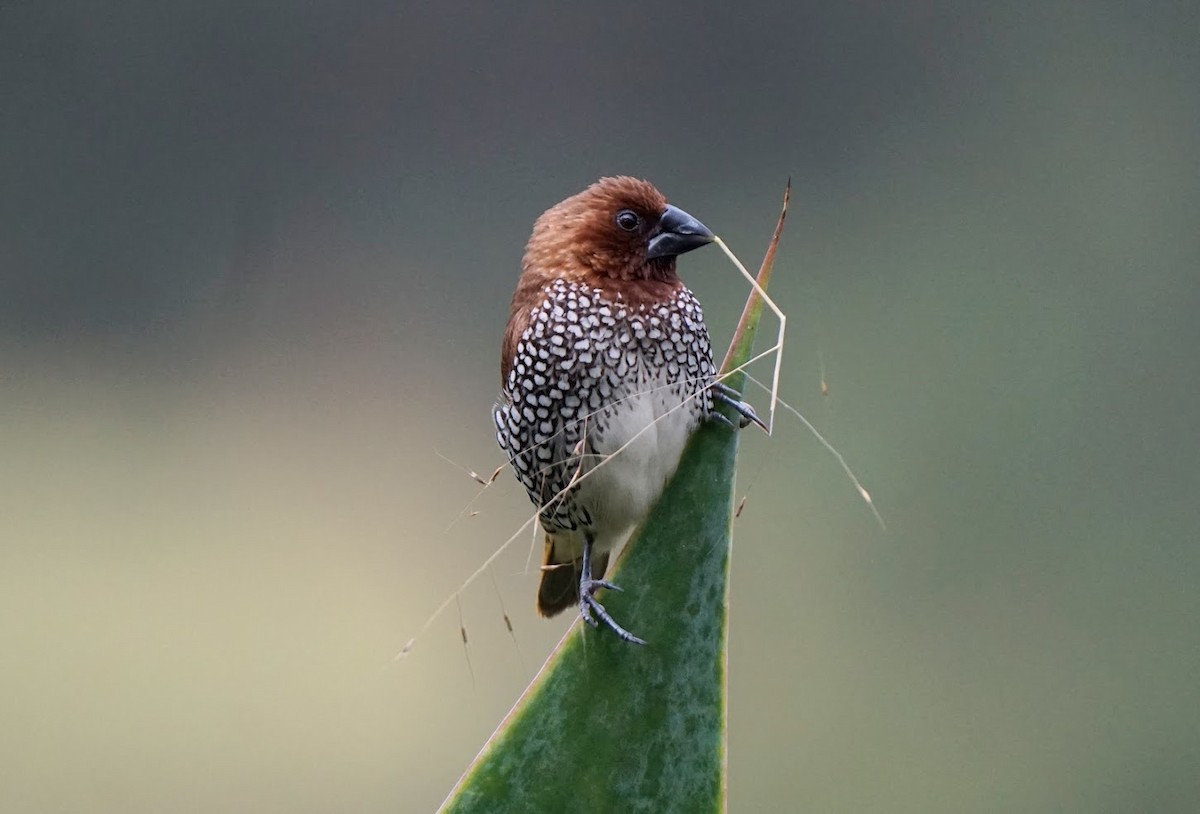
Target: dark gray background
x,y
254,265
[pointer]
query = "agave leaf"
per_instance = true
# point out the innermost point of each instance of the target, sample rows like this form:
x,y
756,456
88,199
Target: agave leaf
x,y
611,726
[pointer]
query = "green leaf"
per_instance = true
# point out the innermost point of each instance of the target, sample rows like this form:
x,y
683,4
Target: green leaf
x,y
612,726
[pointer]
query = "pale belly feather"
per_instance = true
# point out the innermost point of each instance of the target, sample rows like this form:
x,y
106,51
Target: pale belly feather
x,y
641,448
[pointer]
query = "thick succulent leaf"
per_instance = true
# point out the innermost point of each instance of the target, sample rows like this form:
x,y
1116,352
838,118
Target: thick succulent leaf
x,y
612,726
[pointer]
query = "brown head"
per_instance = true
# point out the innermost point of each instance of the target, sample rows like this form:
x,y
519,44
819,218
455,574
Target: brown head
x,y
619,235
618,229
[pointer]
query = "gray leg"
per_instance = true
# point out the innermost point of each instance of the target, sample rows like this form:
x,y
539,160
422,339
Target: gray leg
x,y
588,604
727,395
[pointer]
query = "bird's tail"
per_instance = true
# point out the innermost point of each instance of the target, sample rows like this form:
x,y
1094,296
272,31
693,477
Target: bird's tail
x,y
560,579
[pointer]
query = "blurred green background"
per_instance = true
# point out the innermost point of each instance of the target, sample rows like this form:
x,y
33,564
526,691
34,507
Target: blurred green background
x,y
255,261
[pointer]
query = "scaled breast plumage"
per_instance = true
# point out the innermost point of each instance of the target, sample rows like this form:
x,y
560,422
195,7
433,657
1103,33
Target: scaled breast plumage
x,y
579,365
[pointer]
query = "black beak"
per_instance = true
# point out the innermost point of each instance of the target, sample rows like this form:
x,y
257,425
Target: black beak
x,y
677,232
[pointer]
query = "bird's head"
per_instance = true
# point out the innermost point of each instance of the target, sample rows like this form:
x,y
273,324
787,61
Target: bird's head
x,y
618,229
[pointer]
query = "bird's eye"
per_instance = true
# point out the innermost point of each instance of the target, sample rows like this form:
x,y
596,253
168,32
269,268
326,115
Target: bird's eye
x,y
628,220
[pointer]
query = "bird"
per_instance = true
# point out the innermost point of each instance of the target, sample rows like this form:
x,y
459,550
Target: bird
x,y
606,369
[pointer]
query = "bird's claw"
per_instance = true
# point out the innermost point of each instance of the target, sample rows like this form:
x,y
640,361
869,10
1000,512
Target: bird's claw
x,y
588,604
724,389
726,395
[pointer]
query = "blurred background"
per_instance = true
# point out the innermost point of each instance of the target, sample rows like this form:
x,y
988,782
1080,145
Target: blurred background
x,y
255,260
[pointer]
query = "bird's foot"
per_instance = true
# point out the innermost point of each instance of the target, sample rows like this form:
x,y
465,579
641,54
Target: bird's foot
x,y
588,604
725,394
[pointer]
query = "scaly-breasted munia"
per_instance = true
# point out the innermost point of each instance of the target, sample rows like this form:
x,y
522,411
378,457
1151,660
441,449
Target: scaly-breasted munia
x,y
604,342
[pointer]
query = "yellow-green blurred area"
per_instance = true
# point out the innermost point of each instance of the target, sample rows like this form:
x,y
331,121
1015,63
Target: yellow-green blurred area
x,y
255,263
